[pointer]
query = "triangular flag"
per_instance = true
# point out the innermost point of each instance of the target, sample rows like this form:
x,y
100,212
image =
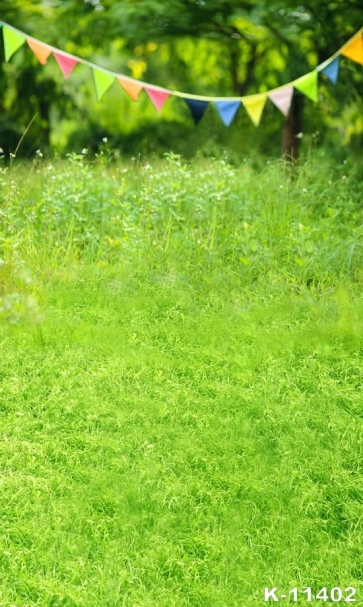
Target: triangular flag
x,y
131,87
103,82
254,105
157,97
227,110
12,41
197,108
332,70
65,63
282,99
308,85
41,51
354,49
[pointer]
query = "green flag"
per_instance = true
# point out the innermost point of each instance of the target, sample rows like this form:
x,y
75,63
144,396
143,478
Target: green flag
x,y
308,85
103,82
12,41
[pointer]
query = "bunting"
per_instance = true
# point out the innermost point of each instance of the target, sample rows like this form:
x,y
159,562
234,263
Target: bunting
x,y
254,105
332,70
65,63
13,40
354,49
308,85
131,87
41,51
197,108
102,81
227,107
282,99
227,110
157,96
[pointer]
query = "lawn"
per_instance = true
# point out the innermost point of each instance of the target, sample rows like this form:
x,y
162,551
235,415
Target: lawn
x,y
181,395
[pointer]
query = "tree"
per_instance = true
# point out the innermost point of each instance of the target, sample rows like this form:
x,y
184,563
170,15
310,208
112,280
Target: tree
x,y
250,31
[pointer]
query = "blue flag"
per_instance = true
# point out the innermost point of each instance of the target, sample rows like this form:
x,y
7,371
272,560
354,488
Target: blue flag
x,y
227,110
332,70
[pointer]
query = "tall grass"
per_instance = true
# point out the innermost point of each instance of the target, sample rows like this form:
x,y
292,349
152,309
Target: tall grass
x,y
253,222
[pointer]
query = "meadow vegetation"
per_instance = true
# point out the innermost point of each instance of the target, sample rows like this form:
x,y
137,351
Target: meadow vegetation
x,y
181,395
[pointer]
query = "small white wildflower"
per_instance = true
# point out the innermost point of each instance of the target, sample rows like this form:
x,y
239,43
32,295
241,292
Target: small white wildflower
x,y
39,153
299,135
104,139
344,177
304,190
1,151
12,155
84,151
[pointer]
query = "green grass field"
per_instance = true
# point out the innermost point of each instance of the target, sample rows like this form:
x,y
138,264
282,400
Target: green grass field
x,y
181,383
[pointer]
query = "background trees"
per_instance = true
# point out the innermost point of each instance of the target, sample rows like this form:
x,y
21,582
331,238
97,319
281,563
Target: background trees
x,y
217,47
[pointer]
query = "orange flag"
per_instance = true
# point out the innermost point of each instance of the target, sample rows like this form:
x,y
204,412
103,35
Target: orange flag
x,y
41,51
354,49
131,87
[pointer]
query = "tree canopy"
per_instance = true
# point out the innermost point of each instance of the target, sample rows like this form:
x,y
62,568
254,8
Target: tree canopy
x,y
217,47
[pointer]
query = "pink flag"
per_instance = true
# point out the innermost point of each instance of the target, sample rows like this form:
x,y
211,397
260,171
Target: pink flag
x,y
157,97
65,63
282,99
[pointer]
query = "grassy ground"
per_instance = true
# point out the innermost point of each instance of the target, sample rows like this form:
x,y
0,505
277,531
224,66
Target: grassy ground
x,y
181,395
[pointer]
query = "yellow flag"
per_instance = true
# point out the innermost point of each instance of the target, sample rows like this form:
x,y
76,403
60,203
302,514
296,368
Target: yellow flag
x,y
254,105
354,49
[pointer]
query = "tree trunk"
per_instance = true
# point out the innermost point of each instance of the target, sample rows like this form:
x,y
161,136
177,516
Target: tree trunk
x,y
291,137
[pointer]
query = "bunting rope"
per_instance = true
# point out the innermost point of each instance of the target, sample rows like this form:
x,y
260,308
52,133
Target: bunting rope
x,y
227,107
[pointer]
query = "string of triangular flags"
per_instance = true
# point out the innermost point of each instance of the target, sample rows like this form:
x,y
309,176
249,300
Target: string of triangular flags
x,y
227,107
